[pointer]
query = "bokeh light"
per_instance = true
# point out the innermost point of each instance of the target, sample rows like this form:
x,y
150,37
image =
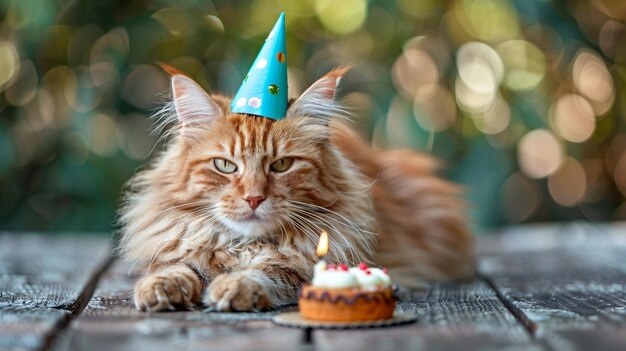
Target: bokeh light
x,y
568,183
102,134
491,21
480,68
533,89
620,174
524,63
433,108
572,118
539,153
341,17
413,70
520,197
24,86
593,81
9,62
495,119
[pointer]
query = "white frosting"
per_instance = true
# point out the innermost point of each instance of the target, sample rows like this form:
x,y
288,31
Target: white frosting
x,y
366,278
386,279
334,279
319,267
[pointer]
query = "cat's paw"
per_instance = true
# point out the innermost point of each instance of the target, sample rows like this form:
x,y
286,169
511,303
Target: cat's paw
x,y
236,292
164,291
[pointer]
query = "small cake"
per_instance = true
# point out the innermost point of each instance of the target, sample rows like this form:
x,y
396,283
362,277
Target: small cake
x,y
342,294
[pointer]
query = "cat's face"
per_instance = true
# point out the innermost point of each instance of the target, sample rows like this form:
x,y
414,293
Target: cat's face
x,y
253,174
255,171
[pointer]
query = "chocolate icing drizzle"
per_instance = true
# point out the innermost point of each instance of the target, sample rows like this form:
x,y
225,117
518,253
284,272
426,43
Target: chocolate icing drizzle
x,y
369,296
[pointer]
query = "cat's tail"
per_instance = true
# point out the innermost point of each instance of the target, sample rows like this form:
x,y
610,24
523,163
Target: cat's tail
x,y
423,225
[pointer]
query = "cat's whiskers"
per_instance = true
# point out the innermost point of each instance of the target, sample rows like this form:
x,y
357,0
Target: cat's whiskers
x,y
314,227
311,236
299,228
331,225
365,239
358,230
365,190
283,230
331,211
336,230
309,243
324,217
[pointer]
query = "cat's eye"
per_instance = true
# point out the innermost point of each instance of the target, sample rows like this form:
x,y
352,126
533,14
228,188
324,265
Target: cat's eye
x,y
224,166
282,165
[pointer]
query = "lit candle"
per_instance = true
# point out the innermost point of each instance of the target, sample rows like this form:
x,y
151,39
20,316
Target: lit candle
x,y
322,249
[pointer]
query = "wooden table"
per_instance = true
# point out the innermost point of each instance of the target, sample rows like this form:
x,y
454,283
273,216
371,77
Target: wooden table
x,y
539,287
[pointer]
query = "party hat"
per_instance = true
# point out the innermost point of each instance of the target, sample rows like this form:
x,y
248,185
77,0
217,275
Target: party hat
x,y
264,89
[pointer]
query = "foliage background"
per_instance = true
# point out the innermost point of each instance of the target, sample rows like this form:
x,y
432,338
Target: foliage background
x,y
523,100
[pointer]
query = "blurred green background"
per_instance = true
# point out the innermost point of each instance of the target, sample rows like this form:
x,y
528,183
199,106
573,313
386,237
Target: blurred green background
x,y
522,99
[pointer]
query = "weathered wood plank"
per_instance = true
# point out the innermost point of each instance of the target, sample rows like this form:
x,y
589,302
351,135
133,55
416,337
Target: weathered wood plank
x,y
566,281
549,236
452,316
110,322
571,293
600,338
26,328
48,271
42,282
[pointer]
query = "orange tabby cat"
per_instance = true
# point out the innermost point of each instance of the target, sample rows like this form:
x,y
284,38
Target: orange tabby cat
x,y
230,213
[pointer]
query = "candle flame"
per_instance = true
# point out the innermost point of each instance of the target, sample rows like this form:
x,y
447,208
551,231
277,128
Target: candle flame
x,y
322,246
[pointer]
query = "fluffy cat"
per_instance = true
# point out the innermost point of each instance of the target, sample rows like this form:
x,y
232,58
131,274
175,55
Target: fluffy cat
x,y
229,215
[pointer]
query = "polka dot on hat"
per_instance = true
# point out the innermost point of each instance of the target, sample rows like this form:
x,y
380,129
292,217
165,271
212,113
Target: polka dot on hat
x,y
254,102
280,57
265,91
240,102
261,63
273,88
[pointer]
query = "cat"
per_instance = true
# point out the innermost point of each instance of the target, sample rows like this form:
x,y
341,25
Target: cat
x,y
230,213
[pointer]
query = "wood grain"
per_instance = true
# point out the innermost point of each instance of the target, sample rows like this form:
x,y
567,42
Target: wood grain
x,y
568,287
110,322
42,282
540,287
48,271
452,316
27,328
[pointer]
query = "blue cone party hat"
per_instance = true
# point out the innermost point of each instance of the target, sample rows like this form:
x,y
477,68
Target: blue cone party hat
x,y
264,89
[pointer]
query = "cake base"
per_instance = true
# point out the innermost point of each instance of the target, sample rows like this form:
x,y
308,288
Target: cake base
x,y
346,304
296,320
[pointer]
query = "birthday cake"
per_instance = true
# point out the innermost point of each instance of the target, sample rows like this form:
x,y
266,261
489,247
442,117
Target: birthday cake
x,y
342,294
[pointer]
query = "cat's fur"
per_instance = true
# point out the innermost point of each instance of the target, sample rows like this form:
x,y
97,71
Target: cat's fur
x,y
188,223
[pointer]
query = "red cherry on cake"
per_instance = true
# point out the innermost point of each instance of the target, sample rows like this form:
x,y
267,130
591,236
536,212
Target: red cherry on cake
x,y
368,272
343,267
362,266
385,270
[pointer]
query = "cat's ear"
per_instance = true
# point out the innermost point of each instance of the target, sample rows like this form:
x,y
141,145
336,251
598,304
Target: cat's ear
x,y
319,101
192,103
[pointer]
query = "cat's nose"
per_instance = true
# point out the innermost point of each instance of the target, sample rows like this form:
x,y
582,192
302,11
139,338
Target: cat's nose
x,y
254,201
